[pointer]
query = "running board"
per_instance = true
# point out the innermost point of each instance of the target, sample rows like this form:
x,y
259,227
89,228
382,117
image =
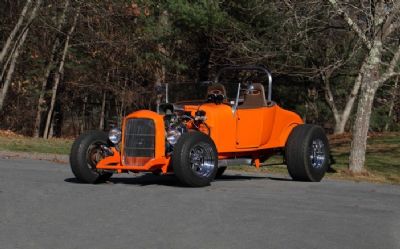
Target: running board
x,y
234,162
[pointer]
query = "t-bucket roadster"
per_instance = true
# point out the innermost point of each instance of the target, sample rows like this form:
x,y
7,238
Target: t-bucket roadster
x,y
198,139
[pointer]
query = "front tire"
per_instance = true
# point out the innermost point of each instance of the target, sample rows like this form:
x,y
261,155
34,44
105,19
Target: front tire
x,y
307,153
85,154
195,159
220,172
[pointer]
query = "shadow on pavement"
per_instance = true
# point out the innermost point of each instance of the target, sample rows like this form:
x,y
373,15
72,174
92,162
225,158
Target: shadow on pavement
x,y
141,180
247,177
171,180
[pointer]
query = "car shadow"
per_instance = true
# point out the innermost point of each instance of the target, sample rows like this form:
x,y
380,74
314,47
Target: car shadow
x,y
171,180
141,180
247,177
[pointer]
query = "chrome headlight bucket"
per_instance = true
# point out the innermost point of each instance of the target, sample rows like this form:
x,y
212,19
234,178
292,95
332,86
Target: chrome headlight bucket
x,y
115,135
173,135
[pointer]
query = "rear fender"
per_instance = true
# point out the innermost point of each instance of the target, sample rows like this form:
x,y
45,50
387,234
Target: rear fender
x,y
284,123
286,132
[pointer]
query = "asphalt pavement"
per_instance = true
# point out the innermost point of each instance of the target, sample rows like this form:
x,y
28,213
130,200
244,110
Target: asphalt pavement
x,y
42,206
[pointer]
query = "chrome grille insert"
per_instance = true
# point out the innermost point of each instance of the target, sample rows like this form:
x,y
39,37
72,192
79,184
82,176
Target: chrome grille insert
x,y
139,141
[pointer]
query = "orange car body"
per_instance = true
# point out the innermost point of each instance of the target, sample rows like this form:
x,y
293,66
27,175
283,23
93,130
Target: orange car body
x,y
243,133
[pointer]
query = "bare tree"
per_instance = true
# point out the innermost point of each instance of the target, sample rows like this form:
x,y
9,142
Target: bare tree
x,y
341,116
394,96
16,52
380,20
11,69
47,71
14,32
58,74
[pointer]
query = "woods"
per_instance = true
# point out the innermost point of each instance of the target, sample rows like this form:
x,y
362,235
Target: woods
x,y
69,66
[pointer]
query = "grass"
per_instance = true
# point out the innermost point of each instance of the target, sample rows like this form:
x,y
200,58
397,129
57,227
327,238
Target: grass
x,y
13,142
382,159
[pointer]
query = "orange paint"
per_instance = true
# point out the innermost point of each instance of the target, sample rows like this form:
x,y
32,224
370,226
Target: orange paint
x,y
247,132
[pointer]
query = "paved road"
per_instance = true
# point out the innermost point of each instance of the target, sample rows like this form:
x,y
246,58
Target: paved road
x,y
41,206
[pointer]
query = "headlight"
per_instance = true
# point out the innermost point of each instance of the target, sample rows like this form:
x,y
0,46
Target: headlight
x,y
173,136
115,135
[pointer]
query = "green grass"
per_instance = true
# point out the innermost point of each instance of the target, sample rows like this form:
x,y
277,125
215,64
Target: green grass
x,y
382,160
39,145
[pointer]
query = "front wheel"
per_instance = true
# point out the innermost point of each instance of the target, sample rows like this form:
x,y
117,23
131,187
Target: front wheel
x,y
86,152
195,159
220,172
307,153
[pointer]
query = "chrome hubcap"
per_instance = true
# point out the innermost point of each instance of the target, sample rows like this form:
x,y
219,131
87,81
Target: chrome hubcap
x,y
317,153
202,160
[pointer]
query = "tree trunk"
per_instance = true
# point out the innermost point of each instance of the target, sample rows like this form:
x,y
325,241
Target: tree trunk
x,y
14,56
11,69
383,24
360,128
341,118
103,108
391,105
49,67
51,129
369,75
13,33
17,41
58,76
83,124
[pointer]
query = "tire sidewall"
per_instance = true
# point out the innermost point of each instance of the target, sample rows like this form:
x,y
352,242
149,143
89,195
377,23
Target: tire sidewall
x,y
78,157
316,174
181,160
298,149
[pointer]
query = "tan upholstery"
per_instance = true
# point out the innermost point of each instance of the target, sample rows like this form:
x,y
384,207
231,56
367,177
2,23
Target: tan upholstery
x,y
216,88
254,98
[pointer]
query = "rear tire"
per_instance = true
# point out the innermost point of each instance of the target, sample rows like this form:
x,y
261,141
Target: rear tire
x,y
85,153
307,153
195,159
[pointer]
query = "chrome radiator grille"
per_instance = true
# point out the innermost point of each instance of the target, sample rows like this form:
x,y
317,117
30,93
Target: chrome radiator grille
x,y
139,141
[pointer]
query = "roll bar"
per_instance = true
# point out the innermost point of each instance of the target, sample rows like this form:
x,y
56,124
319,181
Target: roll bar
x,y
248,68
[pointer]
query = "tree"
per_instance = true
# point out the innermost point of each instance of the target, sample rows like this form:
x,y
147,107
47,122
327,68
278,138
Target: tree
x,y
58,74
326,58
394,96
15,52
17,27
376,23
50,66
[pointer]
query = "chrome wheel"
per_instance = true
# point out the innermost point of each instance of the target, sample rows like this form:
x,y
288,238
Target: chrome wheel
x,y
317,153
202,159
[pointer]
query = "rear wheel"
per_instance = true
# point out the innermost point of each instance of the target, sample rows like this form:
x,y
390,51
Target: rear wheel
x,y
86,152
195,159
307,153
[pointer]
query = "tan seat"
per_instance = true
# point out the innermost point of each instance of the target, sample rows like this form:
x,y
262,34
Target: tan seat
x,y
254,98
216,88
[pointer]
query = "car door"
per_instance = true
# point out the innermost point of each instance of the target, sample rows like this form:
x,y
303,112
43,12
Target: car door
x,y
254,126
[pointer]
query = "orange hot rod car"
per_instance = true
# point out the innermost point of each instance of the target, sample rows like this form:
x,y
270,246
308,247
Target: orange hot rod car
x,y
198,139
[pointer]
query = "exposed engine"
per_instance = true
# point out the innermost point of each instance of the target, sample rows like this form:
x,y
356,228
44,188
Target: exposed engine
x,y
177,122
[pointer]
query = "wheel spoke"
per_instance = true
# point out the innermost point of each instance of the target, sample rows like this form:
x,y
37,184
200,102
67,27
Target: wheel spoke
x,y
202,160
317,153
